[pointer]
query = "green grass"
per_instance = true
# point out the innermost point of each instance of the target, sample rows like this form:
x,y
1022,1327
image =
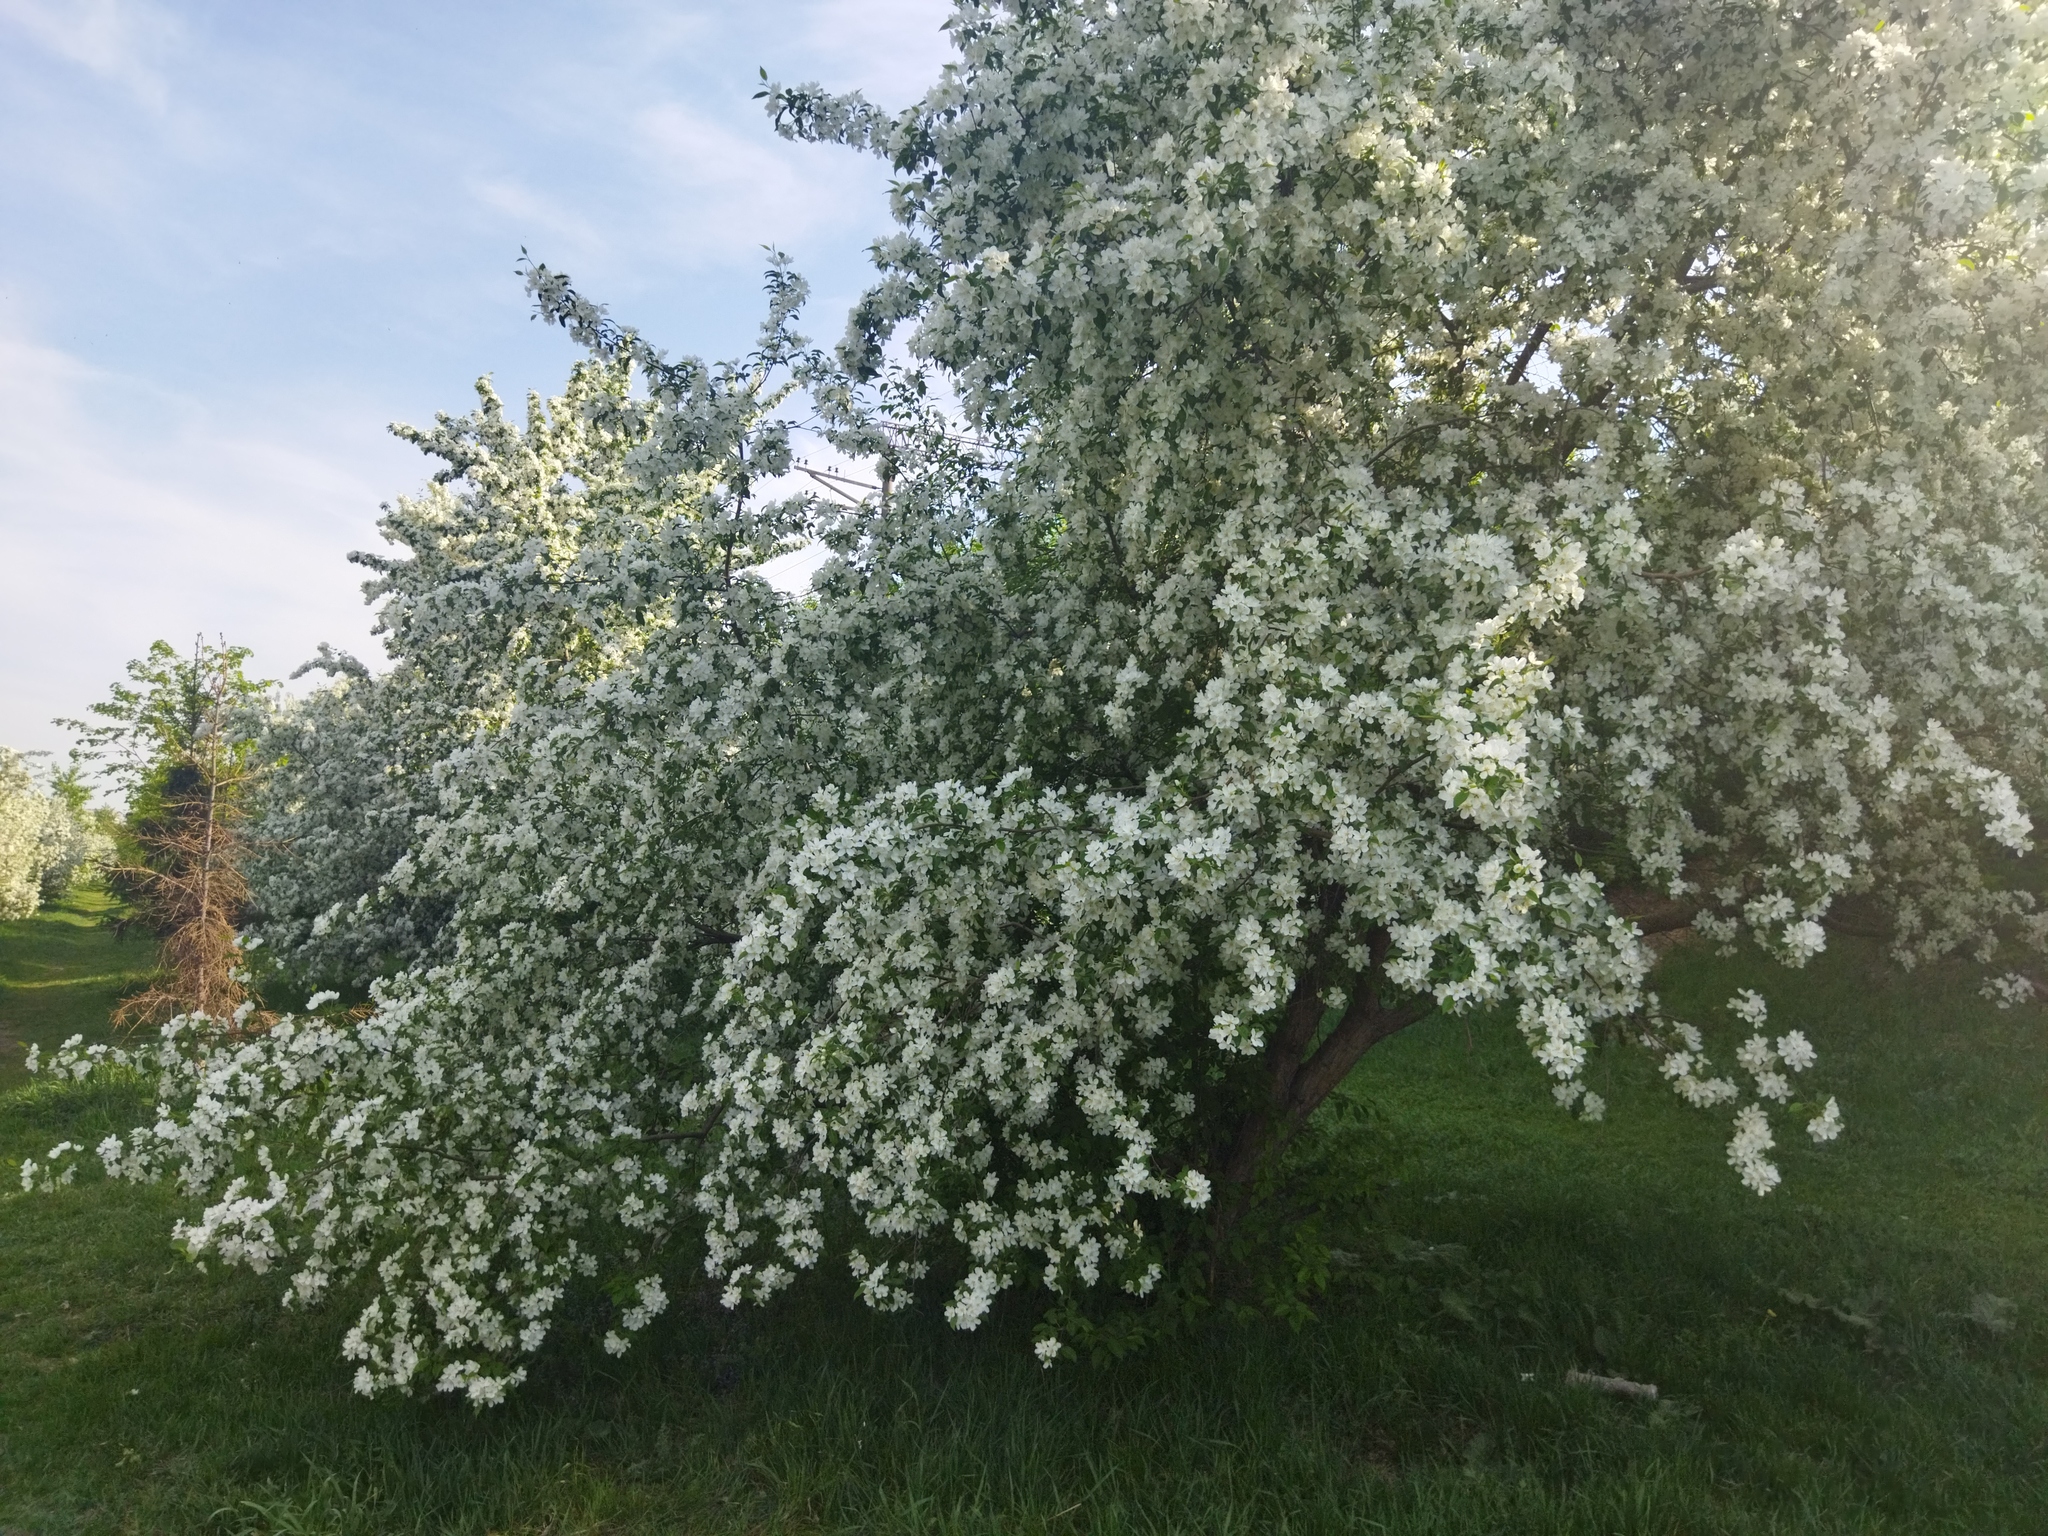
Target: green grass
x,y
61,973
1492,1245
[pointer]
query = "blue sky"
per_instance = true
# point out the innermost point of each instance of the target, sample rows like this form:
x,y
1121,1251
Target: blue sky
x,y
241,238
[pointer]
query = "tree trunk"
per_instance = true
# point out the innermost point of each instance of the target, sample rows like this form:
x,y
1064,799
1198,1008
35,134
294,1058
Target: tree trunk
x,y
1298,1079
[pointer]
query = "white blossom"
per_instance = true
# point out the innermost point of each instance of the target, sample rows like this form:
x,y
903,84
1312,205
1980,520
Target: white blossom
x,y
1827,1125
1265,641
1747,1147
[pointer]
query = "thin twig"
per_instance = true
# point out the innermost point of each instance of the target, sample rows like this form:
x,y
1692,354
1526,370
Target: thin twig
x,y
826,474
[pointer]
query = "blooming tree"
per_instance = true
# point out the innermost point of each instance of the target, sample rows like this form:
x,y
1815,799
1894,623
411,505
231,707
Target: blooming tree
x,y
46,839
1427,480
75,839
24,817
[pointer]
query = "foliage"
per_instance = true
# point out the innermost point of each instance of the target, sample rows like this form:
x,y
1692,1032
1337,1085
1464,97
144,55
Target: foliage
x,y
330,820
173,714
1425,475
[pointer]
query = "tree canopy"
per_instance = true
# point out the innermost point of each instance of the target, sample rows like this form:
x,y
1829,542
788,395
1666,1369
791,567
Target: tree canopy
x,y
1379,503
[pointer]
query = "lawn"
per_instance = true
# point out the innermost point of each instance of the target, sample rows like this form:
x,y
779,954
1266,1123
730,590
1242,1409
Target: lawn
x,y
1865,1350
61,973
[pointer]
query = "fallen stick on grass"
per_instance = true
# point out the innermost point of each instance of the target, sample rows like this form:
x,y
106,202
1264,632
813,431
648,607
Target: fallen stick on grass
x,y
1616,1385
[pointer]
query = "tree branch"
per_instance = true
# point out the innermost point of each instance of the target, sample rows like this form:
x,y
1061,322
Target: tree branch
x,y
1364,1025
1299,1081
1528,352
1652,912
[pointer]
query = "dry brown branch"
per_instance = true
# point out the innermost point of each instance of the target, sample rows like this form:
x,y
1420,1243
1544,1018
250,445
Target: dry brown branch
x,y
190,890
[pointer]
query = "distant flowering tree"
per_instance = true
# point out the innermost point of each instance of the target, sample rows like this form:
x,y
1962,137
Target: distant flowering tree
x,y
76,840
1428,481
47,838
24,815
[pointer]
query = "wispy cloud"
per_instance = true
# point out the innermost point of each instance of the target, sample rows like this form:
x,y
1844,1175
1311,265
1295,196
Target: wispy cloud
x,y
240,239
572,235
891,49
730,191
121,41
114,538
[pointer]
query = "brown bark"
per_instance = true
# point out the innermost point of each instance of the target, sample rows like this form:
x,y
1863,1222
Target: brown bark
x,y
1652,911
1300,1079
